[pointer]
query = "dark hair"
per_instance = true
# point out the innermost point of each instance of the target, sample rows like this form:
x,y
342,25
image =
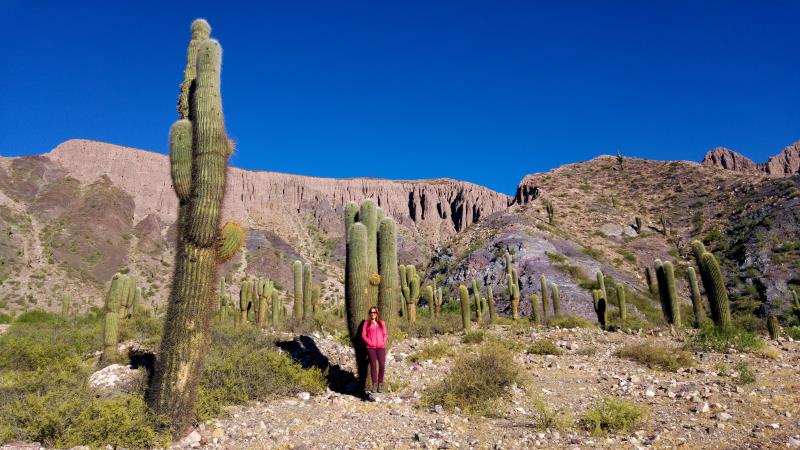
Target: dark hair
x,y
378,319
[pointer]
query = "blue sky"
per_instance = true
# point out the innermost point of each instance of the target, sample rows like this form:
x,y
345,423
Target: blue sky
x,y
480,91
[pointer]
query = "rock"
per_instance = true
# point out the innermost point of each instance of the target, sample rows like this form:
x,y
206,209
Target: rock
x,y
438,409
192,439
304,396
116,379
725,158
419,437
647,393
793,443
724,416
21,446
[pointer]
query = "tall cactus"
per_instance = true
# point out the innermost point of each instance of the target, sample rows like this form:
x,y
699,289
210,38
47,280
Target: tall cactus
x,y
466,320
697,301
368,215
623,307
187,326
717,293
297,272
535,311
111,319
389,290
668,293
652,284
492,309
308,305
545,296
357,302
514,294
556,300
600,307
277,308
476,294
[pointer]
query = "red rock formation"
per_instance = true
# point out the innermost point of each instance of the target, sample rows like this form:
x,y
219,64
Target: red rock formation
x,y
784,164
436,208
725,158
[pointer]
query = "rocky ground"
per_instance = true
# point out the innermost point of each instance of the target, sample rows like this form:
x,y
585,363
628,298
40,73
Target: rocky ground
x,y
701,407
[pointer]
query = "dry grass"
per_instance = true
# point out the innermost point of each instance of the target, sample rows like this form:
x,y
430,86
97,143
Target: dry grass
x,y
654,355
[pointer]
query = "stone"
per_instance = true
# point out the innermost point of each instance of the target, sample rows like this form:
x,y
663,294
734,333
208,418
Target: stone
x,y
304,396
116,379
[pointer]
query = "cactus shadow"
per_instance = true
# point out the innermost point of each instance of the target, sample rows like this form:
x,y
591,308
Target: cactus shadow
x,y
304,350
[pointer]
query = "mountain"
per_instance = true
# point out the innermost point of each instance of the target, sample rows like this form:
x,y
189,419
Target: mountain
x,y
73,217
86,210
784,164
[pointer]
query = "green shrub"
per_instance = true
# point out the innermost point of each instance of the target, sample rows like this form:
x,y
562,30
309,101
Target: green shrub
x,y
614,415
426,326
711,338
568,322
654,355
431,352
38,316
6,318
244,365
474,337
548,418
746,374
477,383
792,332
544,347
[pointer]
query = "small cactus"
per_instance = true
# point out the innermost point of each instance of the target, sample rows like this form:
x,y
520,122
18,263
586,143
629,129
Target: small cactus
x,y
535,311
601,284
465,309
308,307
545,296
652,284
556,300
110,336
637,224
476,294
697,301
514,294
297,271
773,327
551,212
600,307
65,306
490,299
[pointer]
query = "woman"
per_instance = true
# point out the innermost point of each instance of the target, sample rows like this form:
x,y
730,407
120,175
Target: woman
x,y
374,335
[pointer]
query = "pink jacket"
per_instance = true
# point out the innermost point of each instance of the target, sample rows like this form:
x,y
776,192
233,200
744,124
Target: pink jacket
x,y
374,335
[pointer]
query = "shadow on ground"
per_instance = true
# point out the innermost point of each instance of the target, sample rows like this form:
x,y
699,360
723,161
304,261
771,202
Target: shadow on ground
x,y
304,351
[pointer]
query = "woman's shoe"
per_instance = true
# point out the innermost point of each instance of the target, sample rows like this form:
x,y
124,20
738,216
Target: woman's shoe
x,y
380,387
375,388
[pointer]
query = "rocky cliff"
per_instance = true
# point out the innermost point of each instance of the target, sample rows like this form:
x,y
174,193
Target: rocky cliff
x,y
784,164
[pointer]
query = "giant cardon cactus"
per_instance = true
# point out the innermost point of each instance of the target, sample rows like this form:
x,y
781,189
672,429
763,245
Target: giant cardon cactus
x,y
199,152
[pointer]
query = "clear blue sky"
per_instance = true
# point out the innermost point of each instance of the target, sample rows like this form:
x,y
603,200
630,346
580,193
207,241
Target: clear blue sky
x,y
484,91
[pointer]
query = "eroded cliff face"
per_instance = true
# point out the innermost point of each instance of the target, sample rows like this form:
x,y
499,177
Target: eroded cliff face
x,y
784,164
436,208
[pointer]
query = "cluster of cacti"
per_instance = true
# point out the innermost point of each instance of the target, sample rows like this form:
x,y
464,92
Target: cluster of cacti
x,y
370,266
199,152
668,294
714,284
410,290
600,304
466,320
306,293
697,301
258,298
773,327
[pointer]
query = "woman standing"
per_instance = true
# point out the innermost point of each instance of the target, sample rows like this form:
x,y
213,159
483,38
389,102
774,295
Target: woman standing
x,y
374,335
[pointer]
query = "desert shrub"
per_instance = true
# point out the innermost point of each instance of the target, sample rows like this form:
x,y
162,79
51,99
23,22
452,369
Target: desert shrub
x,y
6,318
567,321
478,383
711,338
745,373
792,332
430,326
40,317
587,351
473,337
544,347
614,415
143,329
547,418
654,355
244,365
434,351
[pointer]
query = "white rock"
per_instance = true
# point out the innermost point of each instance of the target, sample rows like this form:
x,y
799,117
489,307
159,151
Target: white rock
x,y
649,393
304,396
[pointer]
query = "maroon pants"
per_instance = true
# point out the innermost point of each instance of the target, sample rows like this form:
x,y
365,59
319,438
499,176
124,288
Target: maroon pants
x,y
377,357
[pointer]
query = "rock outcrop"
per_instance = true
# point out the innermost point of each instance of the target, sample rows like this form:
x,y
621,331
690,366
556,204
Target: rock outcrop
x,y
436,208
784,164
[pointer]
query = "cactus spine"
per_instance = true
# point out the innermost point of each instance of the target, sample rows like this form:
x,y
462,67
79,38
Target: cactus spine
x,y
556,300
623,307
697,301
297,271
465,309
535,311
308,305
773,327
490,299
600,307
